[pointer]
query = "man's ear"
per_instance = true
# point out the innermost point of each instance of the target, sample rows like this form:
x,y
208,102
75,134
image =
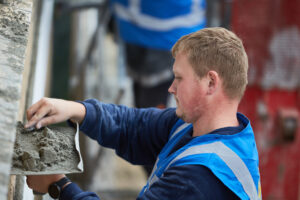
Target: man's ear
x,y
213,81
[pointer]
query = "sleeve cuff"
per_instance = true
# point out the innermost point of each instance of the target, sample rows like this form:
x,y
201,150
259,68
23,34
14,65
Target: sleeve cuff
x,y
70,191
73,191
89,124
90,117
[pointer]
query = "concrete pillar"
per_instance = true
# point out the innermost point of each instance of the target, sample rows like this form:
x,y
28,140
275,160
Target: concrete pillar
x,y
14,27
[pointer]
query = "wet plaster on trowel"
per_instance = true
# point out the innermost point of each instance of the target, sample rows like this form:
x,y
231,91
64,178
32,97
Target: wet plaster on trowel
x,y
45,151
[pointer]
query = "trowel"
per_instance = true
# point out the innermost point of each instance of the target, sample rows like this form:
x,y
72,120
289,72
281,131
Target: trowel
x,y
49,150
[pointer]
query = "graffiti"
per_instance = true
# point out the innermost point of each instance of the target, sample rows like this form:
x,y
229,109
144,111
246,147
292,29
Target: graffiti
x,y
283,69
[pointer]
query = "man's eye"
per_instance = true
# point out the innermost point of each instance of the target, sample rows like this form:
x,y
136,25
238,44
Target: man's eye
x,y
177,77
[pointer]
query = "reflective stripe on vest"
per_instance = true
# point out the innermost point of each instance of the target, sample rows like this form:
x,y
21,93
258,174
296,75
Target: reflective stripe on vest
x,y
133,14
153,178
180,128
241,177
232,160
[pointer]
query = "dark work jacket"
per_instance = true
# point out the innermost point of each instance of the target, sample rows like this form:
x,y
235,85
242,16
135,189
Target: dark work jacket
x,y
138,135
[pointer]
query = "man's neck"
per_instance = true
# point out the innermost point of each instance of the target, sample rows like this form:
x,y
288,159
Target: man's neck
x,y
216,118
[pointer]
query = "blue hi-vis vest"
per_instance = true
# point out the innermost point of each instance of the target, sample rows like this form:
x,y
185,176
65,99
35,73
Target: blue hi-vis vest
x,y
232,158
158,24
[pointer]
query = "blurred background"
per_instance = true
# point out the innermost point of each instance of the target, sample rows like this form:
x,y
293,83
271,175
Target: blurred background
x,y
88,56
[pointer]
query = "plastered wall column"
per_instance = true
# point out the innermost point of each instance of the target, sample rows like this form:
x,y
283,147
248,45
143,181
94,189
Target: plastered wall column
x,y
14,27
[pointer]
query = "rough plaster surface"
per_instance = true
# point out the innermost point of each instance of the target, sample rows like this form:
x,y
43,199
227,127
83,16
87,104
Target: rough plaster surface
x,y
14,23
49,150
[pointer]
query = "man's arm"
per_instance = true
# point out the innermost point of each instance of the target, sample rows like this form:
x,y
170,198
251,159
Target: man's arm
x,y
70,191
187,182
137,135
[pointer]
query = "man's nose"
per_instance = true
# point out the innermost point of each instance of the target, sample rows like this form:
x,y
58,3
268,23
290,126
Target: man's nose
x,y
172,88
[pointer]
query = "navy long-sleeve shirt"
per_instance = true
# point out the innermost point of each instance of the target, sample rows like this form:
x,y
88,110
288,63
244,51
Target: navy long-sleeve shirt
x,y
138,135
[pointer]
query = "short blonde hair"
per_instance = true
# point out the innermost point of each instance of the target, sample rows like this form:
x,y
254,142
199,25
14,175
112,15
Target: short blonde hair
x,y
219,50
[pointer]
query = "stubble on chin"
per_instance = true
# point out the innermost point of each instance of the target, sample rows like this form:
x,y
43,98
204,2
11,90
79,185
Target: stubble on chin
x,y
180,115
179,112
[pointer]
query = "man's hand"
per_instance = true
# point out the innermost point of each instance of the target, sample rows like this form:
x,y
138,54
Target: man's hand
x,y
40,183
49,111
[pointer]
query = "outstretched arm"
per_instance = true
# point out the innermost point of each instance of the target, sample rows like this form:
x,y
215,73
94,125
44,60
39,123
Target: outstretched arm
x,y
137,135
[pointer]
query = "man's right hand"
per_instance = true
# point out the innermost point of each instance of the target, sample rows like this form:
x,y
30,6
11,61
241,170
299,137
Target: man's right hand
x,y
50,111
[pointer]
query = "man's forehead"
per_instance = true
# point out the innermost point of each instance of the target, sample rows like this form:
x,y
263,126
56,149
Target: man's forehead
x,y
176,69
178,65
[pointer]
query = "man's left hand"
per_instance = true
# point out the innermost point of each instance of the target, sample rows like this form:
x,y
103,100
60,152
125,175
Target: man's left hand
x,y
40,183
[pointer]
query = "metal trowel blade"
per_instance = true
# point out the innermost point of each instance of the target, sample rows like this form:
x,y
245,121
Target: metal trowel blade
x,y
29,129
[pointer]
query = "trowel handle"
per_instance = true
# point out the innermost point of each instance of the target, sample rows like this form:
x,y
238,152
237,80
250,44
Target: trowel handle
x,y
37,193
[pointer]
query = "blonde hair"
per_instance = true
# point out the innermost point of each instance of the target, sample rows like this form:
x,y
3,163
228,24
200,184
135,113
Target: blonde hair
x,y
219,50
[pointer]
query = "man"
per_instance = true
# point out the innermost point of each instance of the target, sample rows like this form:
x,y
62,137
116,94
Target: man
x,y
203,149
